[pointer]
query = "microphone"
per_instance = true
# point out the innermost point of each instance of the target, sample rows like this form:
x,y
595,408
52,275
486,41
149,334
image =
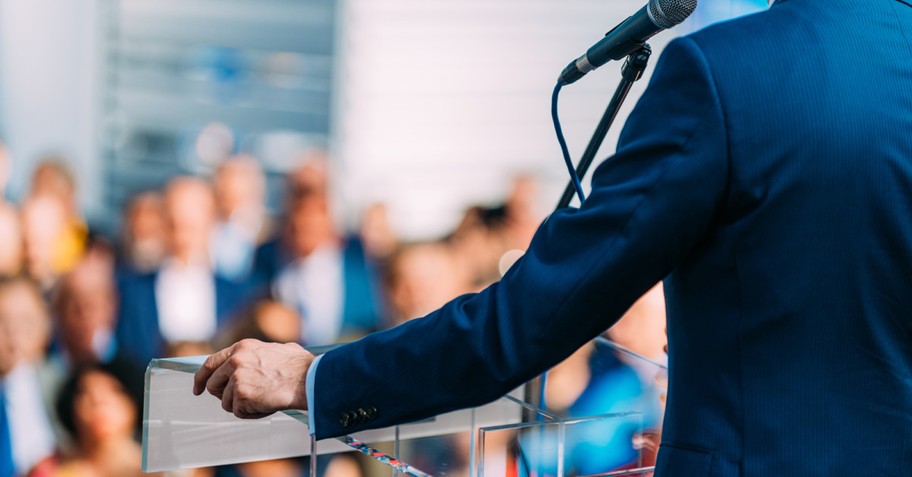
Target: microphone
x,y
631,34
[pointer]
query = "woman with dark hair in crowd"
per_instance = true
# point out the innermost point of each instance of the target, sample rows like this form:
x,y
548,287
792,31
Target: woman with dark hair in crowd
x,y
99,406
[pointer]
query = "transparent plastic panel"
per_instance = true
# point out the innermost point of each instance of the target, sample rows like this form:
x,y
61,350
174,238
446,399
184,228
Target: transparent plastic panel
x,y
442,445
613,428
607,445
182,431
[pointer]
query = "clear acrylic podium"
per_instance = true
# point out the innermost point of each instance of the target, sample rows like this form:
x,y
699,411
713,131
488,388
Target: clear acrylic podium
x,y
508,437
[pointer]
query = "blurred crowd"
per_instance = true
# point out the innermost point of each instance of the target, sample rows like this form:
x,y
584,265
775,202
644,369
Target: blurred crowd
x,y
202,263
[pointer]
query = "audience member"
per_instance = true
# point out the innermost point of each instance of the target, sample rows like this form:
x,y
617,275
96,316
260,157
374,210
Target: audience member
x,y
420,278
183,300
52,247
52,178
479,242
377,233
99,406
11,246
599,379
144,236
343,465
311,268
240,193
85,308
522,216
642,330
27,385
268,321
189,257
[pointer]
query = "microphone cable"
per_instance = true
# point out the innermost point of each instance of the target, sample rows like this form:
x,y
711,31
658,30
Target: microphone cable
x,y
574,177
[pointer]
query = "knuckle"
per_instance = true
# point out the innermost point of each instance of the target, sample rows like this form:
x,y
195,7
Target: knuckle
x,y
242,392
209,364
245,344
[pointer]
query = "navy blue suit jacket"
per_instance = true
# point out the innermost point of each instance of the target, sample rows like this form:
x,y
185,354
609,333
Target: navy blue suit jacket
x,y
766,175
138,336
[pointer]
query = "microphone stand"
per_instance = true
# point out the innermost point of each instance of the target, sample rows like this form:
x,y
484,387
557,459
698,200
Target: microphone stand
x,y
632,71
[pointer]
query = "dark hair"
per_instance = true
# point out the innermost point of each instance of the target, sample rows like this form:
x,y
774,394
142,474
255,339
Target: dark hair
x,y
127,374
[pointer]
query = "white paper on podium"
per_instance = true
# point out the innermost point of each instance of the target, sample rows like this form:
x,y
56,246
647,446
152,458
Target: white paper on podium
x,y
181,430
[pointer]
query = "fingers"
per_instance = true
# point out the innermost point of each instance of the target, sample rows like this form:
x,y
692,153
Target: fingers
x,y
219,380
254,379
238,404
228,396
213,362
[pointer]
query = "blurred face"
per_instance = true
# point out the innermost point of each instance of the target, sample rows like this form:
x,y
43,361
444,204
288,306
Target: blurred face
x,y
190,215
278,323
52,179
376,231
311,179
44,220
425,278
86,311
238,184
102,408
642,328
309,226
145,232
23,326
145,219
10,242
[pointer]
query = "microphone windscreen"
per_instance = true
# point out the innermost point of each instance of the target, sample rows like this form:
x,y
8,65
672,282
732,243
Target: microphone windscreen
x,y
668,13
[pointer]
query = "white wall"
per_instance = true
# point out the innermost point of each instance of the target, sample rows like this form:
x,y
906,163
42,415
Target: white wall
x,y
439,102
48,66
443,101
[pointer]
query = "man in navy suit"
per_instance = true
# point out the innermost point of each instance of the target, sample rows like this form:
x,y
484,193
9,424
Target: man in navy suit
x,y
184,300
766,176
309,267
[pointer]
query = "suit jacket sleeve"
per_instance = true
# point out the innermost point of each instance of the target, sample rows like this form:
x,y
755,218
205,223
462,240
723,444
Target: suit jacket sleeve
x,y
652,205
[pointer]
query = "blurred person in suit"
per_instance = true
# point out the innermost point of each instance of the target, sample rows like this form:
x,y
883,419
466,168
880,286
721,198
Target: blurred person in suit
x,y
11,246
184,300
27,384
315,270
243,223
143,241
85,309
765,176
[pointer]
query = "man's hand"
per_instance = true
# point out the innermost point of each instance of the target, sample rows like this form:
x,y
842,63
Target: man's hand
x,y
255,379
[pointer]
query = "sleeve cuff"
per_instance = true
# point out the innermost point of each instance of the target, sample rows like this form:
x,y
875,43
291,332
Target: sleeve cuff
x,y
309,388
